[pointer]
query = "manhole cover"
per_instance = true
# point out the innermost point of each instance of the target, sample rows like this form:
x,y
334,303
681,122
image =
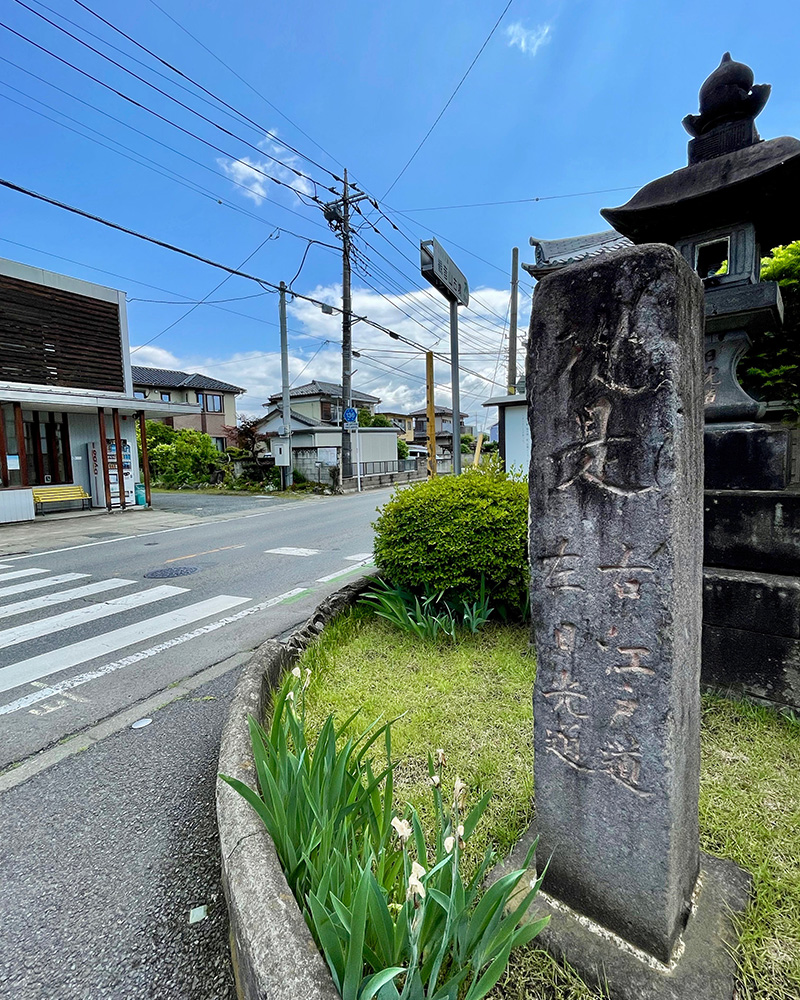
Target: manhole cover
x,y
168,572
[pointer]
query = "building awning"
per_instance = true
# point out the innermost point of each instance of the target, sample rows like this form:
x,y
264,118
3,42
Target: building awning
x,y
44,397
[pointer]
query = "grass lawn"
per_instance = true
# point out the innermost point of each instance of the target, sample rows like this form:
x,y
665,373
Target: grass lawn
x,y
473,699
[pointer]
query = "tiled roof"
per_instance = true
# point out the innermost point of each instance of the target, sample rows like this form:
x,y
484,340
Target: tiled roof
x,y
164,378
439,411
551,255
331,389
301,418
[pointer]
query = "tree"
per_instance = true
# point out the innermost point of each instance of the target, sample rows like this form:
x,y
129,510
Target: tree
x,y
773,362
402,448
367,419
187,459
246,434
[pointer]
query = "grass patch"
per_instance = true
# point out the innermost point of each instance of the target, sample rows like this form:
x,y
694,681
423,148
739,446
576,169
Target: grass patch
x,y
473,698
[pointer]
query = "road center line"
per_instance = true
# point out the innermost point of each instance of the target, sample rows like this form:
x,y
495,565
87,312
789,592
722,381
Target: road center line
x,y
208,552
200,523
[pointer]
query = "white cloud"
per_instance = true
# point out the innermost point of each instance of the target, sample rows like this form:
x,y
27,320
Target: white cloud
x,y
154,357
387,368
250,172
527,40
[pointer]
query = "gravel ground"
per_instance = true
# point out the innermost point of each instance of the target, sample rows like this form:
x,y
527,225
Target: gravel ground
x,y
212,505
105,854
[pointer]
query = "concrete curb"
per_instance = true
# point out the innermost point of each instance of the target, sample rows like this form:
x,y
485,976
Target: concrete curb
x,y
274,955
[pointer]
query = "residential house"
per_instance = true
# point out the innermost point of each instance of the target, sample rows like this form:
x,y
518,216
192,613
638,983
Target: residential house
x,y
322,401
217,400
403,422
316,446
68,413
444,428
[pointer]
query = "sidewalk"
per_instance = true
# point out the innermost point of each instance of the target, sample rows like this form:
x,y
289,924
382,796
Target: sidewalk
x,y
104,856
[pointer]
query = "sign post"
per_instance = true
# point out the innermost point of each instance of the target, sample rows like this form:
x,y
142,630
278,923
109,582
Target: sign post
x,y
438,269
350,418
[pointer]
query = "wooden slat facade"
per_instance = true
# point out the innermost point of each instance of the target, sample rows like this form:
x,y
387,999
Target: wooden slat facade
x,y
53,337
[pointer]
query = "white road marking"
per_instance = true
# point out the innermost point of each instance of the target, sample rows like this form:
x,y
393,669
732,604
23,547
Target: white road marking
x,y
73,594
165,531
22,572
35,667
51,581
345,571
88,613
287,550
359,557
72,682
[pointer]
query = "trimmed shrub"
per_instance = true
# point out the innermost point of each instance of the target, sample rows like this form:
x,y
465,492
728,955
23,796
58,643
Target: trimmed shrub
x,y
449,533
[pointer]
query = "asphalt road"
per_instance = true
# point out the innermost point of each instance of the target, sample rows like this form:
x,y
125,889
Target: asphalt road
x,y
89,629
109,841
106,854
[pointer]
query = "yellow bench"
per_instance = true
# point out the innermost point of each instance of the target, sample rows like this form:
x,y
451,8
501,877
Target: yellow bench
x,y
59,494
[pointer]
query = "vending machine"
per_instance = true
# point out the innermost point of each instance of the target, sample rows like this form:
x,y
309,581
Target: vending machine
x,y
116,469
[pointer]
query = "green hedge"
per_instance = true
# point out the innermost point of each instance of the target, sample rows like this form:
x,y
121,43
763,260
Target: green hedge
x,y
447,533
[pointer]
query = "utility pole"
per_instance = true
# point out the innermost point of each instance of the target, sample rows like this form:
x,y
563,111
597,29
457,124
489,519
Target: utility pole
x,y
337,215
288,472
347,330
431,415
512,324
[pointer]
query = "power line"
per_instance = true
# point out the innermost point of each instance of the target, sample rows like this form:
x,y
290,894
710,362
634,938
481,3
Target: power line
x,y
192,308
248,85
149,164
175,100
158,142
449,99
518,201
235,111
223,267
160,117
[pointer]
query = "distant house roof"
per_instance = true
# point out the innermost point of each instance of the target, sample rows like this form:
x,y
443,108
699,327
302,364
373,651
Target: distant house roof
x,y
301,418
164,378
552,255
317,388
439,411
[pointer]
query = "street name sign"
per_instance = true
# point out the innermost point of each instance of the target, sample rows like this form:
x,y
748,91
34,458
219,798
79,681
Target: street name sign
x,y
437,268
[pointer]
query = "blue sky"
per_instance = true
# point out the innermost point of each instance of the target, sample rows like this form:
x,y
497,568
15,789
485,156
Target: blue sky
x,y
569,96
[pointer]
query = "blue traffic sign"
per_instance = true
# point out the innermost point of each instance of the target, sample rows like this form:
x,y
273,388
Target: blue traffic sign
x,y
350,415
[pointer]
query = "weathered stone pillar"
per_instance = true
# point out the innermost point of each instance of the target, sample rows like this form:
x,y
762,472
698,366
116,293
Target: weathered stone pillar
x,y
616,480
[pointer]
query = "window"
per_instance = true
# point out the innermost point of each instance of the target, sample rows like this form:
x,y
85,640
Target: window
x,y
210,402
220,443
711,259
166,397
138,394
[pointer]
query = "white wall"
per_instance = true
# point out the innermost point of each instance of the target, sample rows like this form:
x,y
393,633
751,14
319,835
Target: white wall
x,y
518,437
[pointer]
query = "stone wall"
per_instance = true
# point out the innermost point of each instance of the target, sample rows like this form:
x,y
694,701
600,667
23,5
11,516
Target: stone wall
x,y
751,593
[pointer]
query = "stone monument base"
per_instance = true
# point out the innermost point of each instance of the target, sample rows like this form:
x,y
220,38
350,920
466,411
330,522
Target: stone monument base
x,y
704,966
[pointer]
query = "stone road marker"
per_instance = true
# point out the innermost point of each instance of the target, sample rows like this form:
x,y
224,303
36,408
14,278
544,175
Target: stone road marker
x,y
616,484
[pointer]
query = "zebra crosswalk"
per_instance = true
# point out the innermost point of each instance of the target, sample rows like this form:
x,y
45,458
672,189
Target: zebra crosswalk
x,y
25,603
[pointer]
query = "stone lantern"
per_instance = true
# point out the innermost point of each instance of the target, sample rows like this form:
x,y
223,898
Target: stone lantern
x,y
735,199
